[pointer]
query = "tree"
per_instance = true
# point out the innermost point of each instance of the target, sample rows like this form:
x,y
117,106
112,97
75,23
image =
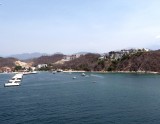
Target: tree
x,y
17,68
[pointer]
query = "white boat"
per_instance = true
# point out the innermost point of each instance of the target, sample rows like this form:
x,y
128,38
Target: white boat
x,y
74,77
54,72
83,74
59,70
15,81
25,73
33,72
29,72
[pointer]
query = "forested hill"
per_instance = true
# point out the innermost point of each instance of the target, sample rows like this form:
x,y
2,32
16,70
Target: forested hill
x,y
146,61
140,61
86,62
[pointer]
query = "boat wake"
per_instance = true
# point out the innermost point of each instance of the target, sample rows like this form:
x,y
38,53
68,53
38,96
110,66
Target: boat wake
x,y
94,75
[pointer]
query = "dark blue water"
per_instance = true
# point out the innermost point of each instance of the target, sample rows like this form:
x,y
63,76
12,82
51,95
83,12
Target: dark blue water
x,y
47,98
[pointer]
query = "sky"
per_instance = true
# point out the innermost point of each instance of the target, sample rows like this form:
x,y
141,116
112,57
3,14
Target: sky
x,y
71,26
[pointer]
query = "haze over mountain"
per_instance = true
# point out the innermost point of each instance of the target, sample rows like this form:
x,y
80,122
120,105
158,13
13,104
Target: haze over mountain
x,y
25,56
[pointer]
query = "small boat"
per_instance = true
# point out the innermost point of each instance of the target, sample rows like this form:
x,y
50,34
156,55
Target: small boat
x,y
59,70
25,73
83,74
54,72
33,72
74,77
29,72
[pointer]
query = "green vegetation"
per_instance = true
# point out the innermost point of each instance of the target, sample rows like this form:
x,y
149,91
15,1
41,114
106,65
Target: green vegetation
x,y
18,68
138,54
102,63
124,57
139,61
113,65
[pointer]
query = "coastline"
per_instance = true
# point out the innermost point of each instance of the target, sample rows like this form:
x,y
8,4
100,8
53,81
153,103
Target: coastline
x,y
126,72
136,72
130,72
104,72
9,73
74,71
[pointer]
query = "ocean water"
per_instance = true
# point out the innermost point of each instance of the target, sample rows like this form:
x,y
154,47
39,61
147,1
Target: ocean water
x,y
47,98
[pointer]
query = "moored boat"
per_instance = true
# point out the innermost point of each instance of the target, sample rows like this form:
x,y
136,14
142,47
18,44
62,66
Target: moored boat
x,y
29,72
59,70
83,74
33,72
74,78
54,72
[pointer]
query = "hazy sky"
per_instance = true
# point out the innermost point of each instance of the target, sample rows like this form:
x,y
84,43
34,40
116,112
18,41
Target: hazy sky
x,y
71,26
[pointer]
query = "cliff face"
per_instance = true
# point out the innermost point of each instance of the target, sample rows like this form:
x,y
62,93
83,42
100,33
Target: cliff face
x,y
147,61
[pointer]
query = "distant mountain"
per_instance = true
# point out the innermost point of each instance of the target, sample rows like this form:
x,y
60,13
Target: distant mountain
x,y
26,56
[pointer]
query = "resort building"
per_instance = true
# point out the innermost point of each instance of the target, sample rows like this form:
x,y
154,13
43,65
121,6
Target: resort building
x,y
41,66
71,57
115,55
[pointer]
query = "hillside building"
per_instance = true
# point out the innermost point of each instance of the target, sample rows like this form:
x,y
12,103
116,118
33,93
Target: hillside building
x,y
71,57
41,66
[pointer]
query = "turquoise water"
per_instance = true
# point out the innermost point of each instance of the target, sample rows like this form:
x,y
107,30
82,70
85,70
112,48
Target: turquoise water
x,y
47,98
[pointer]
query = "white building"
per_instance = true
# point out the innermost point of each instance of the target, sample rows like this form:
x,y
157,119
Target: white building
x,y
115,55
41,66
71,57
